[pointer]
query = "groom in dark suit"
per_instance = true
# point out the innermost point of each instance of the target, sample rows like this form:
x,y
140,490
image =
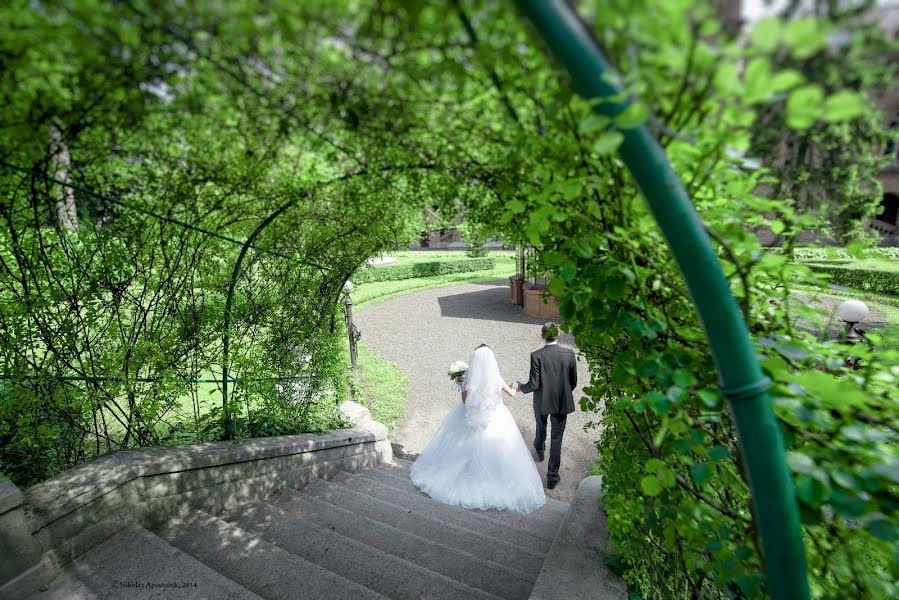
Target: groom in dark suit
x,y
553,377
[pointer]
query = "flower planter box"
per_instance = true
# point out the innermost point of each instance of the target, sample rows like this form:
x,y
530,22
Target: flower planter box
x,y
515,290
535,306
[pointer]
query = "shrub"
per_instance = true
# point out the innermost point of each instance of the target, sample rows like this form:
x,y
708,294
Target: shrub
x,y
426,269
831,253
885,282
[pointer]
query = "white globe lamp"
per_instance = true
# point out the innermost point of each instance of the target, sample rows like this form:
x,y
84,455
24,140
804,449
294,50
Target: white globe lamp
x,y
852,312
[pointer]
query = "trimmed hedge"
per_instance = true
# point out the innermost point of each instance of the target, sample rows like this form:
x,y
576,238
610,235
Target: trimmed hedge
x,y
884,282
834,253
423,269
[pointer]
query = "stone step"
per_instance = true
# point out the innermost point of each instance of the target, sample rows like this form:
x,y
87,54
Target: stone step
x,y
401,469
535,536
403,463
526,561
134,563
374,569
264,568
458,565
550,514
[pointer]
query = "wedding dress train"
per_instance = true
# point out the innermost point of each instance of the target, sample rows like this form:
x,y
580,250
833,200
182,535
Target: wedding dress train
x,y
478,459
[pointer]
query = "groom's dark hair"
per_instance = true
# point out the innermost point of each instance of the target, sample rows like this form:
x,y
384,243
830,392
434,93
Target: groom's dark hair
x,y
549,331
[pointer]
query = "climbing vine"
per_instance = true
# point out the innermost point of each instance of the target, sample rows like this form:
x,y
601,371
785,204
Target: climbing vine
x,y
181,127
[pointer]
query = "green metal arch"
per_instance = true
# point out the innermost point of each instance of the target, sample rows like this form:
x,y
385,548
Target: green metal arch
x,y
229,302
740,376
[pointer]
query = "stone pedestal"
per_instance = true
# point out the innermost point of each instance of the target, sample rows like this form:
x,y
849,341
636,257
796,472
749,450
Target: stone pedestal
x,y
535,305
515,290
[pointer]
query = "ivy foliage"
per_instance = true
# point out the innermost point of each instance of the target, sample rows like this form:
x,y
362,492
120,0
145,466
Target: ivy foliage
x,y
362,114
676,491
141,145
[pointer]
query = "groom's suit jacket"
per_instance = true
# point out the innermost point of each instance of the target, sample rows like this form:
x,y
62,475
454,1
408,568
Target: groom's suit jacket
x,y
553,377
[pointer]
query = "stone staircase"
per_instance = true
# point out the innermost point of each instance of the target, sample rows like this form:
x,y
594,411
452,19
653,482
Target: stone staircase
x,y
371,534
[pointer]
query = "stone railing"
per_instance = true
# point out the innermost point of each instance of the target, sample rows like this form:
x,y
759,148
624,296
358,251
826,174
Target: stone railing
x,y
54,522
574,566
883,227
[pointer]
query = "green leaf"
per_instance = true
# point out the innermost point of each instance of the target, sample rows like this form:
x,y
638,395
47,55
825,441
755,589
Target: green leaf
x,y
718,453
810,490
758,79
608,142
766,34
651,486
552,258
710,398
882,529
659,436
593,123
843,106
727,79
804,106
633,116
583,250
801,463
568,271
659,403
684,378
777,226
701,473
516,206
667,477
805,36
785,80
654,465
556,286
620,375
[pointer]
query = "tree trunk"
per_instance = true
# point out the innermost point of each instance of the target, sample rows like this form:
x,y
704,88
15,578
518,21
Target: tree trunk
x,y
66,213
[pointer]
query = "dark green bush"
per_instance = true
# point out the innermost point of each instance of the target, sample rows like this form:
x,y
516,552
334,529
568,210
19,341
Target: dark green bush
x,y
884,282
425,269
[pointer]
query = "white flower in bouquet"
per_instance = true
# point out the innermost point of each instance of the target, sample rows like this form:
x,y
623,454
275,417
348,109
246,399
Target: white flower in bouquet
x,y
457,371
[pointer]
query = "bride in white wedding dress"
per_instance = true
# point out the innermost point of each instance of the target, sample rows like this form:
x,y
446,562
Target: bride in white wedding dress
x,y
478,458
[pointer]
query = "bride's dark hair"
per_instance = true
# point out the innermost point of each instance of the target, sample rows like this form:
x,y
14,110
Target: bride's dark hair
x,y
482,346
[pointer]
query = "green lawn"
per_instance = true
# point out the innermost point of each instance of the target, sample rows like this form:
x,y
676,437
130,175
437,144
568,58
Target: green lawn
x,y
382,388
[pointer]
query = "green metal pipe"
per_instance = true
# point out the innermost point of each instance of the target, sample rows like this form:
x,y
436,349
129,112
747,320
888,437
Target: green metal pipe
x,y
740,376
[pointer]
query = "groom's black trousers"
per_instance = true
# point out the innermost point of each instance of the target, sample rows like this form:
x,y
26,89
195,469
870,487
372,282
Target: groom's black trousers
x,y
555,442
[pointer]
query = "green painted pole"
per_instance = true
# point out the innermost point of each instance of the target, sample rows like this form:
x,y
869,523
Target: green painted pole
x,y
740,376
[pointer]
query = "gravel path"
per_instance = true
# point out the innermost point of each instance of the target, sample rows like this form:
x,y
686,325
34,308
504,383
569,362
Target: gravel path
x,y
424,332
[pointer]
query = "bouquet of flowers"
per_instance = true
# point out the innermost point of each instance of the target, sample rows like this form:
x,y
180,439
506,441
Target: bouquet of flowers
x,y
457,372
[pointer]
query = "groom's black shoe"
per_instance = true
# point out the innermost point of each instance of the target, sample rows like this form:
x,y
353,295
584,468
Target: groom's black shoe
x,y
551,484
539,455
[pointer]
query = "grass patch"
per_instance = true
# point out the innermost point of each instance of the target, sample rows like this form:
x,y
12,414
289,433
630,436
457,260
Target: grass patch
x,y
381,387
